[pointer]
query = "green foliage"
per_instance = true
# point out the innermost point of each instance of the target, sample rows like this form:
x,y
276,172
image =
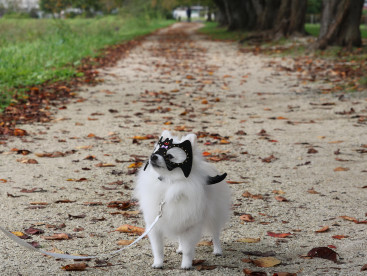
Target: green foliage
x,y
313,29
33,51
314,6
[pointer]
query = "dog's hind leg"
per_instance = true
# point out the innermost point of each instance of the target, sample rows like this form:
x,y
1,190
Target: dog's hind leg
x,y
156,241
216,243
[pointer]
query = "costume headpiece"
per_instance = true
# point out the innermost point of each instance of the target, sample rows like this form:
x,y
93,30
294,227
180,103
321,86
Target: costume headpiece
x,y
164,146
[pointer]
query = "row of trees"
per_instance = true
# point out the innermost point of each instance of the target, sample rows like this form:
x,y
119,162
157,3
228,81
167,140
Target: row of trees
x,y
273,19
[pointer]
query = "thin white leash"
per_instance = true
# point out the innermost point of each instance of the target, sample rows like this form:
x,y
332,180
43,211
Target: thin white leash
x,y
74,257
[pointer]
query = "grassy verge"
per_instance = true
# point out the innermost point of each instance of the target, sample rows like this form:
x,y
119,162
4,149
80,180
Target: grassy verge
x,y
212,30
33,51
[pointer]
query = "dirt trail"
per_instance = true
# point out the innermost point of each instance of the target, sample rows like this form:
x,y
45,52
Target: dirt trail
x,y
295,158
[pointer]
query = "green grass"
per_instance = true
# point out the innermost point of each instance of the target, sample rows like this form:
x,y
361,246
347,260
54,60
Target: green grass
x,y
33,51
314,29
212,30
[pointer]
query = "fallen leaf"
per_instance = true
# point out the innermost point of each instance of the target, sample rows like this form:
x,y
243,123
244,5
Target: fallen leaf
x,y
284,274
364,268
205,267
130,229
323,229
75,267
324,253
341,169
266,262
38,203
121,205
249,240
61,236
281,199
312,191
135,165
20,132
339,237
27,161
349,218
312,151
3,180
249,272
269,159
124,242
205,243
33,231
247,218
20,234
278,235
105,165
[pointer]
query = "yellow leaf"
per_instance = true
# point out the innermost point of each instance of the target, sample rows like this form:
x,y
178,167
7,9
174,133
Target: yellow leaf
x,y
18,233
135,165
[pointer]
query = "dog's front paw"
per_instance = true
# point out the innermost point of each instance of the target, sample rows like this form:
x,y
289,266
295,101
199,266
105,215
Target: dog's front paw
x,y
217,252
158,265
186,267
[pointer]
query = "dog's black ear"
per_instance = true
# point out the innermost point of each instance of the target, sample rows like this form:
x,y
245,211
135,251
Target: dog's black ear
x,y
216,179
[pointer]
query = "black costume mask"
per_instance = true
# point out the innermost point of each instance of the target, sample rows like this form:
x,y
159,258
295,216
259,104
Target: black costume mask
x,y
186,165
164,146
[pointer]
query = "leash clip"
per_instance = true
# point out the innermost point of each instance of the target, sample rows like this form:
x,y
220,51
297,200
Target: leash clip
x,y
161,208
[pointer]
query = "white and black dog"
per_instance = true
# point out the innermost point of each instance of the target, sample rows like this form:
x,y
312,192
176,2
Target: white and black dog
x,y
197,200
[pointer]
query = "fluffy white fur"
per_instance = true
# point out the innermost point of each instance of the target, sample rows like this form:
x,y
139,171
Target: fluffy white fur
x,y
191,208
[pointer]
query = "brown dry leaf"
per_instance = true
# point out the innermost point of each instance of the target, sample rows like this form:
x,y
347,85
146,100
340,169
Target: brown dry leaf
x,y
281,199
38,203
130,229
266,262
249,240
278,235
75,267
269,159
284,274
247,218
364,268
105,165
124,242
248,194
205,267
341,169
249,272
27,161
205,243
20,132
312,151
324,253
349,218
339,237
323,229
312,191
60,236
3,180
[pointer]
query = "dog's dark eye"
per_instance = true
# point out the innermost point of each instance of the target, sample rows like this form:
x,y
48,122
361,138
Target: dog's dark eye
x,y
170,156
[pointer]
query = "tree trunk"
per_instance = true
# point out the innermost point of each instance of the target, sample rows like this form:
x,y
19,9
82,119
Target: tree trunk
x,y
221,15
290,19
267,14
340,22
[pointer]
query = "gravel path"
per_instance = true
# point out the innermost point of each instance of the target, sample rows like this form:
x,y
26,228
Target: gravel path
x,y
295,158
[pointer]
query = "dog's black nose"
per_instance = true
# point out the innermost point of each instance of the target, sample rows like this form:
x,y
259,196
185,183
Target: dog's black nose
x,y
154,157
